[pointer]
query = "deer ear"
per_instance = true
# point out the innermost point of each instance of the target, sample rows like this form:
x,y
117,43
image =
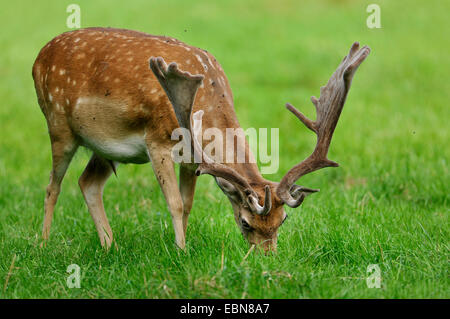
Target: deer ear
x,y
229,189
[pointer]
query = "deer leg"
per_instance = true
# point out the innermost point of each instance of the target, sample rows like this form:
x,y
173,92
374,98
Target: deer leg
x,y
63,150
92,182
163,167
187,190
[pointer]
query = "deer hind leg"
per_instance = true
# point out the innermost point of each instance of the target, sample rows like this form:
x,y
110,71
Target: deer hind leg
x,y
163,167
188,180
64,147
92,182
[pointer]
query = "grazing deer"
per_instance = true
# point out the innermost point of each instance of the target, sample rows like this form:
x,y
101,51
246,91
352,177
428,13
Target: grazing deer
x,y
96,89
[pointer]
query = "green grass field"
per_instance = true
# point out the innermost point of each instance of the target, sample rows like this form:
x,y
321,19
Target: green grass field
x,y
388,203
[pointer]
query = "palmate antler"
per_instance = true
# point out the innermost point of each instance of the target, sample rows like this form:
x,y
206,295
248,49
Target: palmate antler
x,y
328,108
181,88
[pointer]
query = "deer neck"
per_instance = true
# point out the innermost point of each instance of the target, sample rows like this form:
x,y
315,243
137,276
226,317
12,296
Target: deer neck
x,y
222,118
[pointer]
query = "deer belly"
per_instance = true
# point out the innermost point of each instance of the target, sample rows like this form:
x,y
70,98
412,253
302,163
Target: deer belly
x,y
131,149
101,125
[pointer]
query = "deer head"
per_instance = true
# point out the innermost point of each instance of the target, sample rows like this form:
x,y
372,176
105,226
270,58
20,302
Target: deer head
x,y
258,206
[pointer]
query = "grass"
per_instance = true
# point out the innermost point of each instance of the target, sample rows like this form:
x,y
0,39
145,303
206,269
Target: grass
x,y
387,204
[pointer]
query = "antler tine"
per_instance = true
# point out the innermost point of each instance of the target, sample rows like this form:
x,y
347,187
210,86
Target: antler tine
x,y
262,210
308,123
328,108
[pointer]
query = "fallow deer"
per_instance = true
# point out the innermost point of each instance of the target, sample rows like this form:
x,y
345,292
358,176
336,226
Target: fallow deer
x,y
111,91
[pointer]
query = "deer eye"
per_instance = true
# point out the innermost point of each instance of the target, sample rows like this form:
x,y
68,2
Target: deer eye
x,y
245,225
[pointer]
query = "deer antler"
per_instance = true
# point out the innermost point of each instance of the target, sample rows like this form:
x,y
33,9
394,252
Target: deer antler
x,y
181,88
328,108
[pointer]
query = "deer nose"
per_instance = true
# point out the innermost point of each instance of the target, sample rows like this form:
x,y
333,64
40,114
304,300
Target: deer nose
x,y
268,246
271,247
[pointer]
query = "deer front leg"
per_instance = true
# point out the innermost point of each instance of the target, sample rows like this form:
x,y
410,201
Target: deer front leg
x,y
188,180
92,182
163,167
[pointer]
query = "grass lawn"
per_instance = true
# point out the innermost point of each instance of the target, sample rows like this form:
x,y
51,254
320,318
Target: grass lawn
x,y
388,203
